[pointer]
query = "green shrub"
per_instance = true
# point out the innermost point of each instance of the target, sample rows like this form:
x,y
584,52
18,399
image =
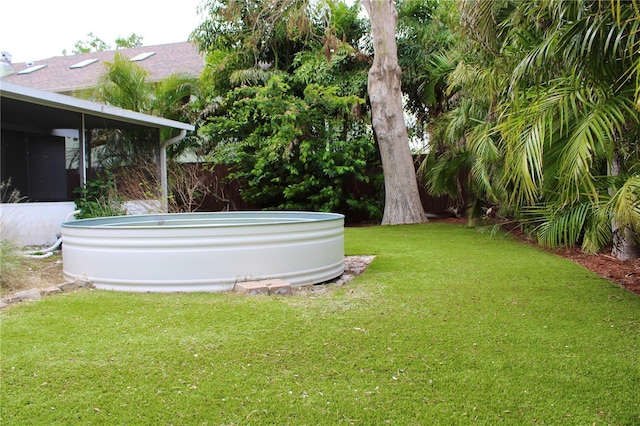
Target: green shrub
x,y
99,198
298,151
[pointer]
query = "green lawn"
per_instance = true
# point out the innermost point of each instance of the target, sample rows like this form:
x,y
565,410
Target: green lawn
x,y
446,326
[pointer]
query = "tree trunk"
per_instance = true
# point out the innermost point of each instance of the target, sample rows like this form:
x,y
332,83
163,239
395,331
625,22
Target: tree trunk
x,y
402,200
624,245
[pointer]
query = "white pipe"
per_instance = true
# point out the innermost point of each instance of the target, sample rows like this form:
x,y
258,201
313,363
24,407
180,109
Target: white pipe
x,y
44,253
46,250
163,167
40,256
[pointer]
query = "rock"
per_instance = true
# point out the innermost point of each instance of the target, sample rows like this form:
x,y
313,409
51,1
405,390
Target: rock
x,y
279,287
263,287
74,285
33,294
39,293
50,291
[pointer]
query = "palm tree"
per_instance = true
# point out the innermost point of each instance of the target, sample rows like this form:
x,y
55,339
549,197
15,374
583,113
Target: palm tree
x,y
566,135
565,124
126,85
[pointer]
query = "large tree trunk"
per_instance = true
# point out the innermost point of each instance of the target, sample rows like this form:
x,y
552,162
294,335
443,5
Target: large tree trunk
x,y
402,200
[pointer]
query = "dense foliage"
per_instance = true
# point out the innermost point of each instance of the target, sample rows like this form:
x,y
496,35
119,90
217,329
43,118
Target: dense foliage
x,y
286,105
296,152
544,118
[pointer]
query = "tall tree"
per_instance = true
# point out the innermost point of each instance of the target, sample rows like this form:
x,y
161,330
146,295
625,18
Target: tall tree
x,y
96,44
402,199
134,40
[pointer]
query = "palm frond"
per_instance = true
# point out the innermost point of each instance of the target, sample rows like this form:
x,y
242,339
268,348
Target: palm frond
x,y
555,226
591,138
625,204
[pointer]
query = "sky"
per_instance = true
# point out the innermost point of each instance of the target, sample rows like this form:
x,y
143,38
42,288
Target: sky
x,y
32,30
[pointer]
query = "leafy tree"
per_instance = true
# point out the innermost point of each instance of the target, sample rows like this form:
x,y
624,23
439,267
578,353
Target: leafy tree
x,y
294,152
92,44
425,32
96,44
290,61
134,40
325,43
260,32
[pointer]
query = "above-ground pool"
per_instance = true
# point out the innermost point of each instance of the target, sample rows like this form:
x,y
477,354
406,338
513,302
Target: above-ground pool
x,y
203,251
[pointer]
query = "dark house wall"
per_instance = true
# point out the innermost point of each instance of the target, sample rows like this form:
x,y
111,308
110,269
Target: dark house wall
x,y
35,164
13,162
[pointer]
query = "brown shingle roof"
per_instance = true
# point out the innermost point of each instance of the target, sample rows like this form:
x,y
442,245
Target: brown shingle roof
x,y
58,77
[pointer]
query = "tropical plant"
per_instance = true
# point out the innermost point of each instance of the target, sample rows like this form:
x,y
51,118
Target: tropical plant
x,y
99,198
562,122
127,85
295,152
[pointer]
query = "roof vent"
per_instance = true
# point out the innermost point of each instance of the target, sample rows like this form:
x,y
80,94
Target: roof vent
x,y
142,56
5,64
83,64
32,68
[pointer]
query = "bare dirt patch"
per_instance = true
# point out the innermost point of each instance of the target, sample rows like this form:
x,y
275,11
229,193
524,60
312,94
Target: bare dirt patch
x,y
38,274
44,273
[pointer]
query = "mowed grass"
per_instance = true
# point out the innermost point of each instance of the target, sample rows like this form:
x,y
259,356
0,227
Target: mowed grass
x,y
446,326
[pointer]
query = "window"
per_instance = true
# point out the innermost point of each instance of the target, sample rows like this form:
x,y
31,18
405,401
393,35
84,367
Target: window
x,y
31,69
142,56
84,63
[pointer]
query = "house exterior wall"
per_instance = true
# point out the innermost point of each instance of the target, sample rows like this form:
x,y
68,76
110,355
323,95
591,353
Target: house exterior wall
x,y
33,224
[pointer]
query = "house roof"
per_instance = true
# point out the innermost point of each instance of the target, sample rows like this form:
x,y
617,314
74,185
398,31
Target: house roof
x,y
26,108
64,74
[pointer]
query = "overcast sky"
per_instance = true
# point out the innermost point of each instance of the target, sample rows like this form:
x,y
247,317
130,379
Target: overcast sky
x,y
31,30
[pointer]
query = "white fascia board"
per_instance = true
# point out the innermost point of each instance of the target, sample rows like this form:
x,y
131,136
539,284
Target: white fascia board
x,y
69,103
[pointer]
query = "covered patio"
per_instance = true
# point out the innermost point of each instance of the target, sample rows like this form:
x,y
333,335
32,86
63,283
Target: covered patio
x,y
45,155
